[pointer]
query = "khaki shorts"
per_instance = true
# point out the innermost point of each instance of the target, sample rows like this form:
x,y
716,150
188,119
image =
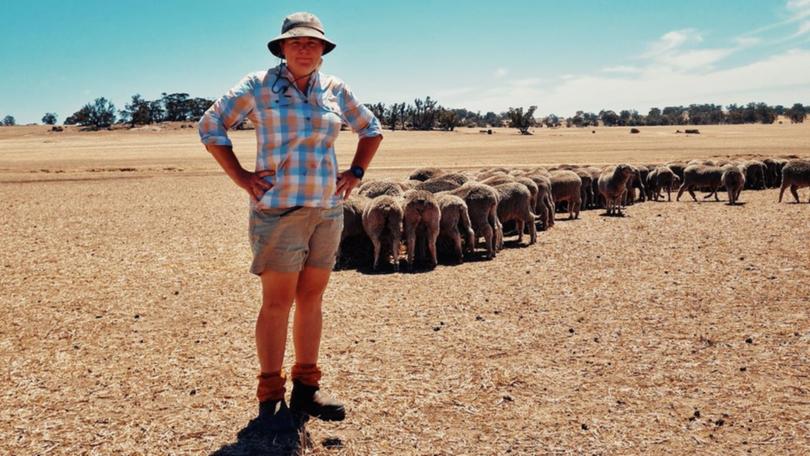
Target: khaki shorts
x,y
287,239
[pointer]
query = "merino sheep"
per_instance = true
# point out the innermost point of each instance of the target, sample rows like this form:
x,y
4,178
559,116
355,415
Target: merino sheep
x,y
373,189
437,184
421,217
677,168
455,223
701,176
514,204
733,180
612,184
423,174
754,174
482,204
635,182
352,228
586,189
796,175
382,221
665,178
567,186
544,205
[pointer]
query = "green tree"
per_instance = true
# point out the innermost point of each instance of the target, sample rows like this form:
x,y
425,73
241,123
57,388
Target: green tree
x,y
447,119
521,120
797,113
49,118
99,114
9,121
136,112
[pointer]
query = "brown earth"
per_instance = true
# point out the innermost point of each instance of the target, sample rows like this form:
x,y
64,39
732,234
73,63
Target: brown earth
x,y
680,329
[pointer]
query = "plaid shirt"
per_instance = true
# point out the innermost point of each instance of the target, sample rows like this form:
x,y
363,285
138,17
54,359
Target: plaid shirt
x,y
295,132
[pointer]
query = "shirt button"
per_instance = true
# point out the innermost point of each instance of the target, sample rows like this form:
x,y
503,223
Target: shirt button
x,y
308,118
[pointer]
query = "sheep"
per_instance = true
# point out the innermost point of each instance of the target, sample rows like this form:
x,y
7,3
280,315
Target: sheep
x,y
567,186
733,180
665,178
421,217
482,204
612,184
455,223
459,178
677,168
634,183
514,204
409,184
423,174
373,189
651,186
754,174
437,184
382,221
586,189
544,205
772,168
533,189
701,176
796,175
352,225
598,200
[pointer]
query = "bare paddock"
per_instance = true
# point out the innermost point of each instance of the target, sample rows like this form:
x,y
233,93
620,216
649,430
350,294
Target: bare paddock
x,y
682,328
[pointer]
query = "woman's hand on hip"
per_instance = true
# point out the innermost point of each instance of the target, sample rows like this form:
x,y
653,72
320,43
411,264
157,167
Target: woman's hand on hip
x,y
345,184
255,184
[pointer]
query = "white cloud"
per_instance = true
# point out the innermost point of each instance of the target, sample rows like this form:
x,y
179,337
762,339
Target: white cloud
x,y
501,72
671,41
799,9
776,79
747,41
622,69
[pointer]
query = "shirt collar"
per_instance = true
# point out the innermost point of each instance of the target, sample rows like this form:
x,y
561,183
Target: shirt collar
x,y
314,79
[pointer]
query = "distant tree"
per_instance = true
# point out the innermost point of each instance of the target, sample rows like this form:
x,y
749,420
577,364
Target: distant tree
x,y
522,120
177,106
423,113
609,118
779,110
136,112
49,118
9,121
797,113
156,111
378,109
492,119
551,121
99,114
198,106
447,119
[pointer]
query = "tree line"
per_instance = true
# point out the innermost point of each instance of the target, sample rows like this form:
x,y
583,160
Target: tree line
x,y
428,114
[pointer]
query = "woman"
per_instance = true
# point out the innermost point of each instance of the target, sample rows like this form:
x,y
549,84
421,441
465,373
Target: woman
x,y
295,191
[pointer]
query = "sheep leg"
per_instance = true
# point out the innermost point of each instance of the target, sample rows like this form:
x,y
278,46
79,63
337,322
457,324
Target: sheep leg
x,y
411,241
395,252
532,230
520,225
486,231
680,192
375,241
577,206
793,189
782,191
433,234
456,237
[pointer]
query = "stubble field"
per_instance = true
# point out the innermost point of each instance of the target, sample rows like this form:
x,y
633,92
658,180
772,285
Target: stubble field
x,y
682,328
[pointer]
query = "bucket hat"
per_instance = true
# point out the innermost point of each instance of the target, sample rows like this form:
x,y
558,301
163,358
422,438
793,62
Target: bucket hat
x,y
300,25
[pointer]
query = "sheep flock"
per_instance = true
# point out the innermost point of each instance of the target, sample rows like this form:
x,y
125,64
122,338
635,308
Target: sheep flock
x,y
454,215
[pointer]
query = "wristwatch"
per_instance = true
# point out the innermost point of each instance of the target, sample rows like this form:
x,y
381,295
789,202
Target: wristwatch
x,y
358,171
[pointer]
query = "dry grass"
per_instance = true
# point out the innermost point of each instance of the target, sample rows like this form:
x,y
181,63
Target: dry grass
x,y
129,310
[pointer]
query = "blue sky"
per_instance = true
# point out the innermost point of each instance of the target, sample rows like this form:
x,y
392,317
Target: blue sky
x,y
561,56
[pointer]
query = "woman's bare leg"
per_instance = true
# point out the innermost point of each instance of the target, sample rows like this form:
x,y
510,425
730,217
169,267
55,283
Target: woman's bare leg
x,y
308,321
278,293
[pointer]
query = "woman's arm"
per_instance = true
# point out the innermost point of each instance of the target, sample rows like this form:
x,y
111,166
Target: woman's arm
x,y
250,182
366,148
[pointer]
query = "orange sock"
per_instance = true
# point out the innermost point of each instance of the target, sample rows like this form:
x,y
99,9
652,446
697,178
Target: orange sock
x,y
271,386
308,374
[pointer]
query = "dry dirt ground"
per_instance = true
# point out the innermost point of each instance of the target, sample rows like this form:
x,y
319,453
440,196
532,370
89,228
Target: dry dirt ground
x,y
681,328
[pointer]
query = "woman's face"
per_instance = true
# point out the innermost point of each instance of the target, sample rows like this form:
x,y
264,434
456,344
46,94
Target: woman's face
x,y
303,54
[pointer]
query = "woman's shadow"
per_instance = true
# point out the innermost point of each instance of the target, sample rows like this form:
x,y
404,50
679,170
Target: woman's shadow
x,y
252,440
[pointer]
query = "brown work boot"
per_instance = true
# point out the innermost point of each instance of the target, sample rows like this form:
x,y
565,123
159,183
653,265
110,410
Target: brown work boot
x,y
310,400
